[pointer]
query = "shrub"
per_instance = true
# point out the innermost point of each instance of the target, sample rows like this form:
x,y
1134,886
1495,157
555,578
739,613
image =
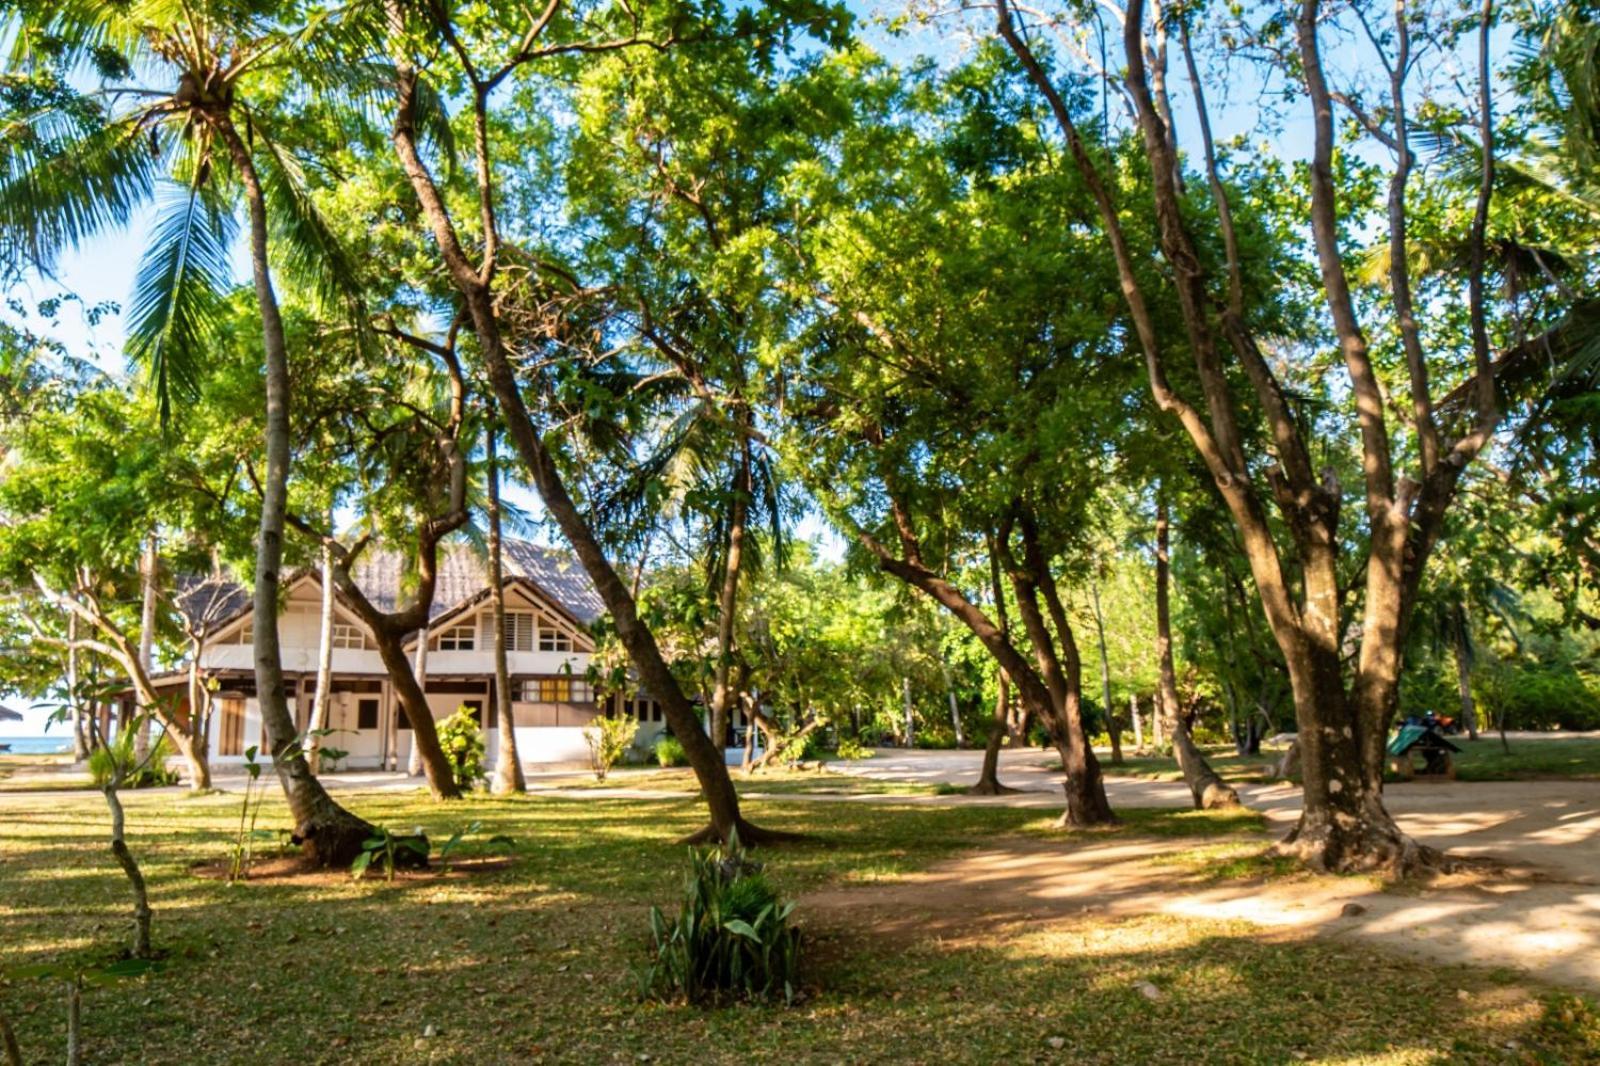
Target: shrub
x,y
153,773
732,938
608,739
938,737
462,742
852,749
669,752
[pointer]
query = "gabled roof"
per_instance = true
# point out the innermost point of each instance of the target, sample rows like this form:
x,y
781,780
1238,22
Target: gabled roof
x,y
381,573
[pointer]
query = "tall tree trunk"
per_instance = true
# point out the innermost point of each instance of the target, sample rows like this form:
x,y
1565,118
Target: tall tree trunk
x,y
507,764
1113,726
1461,638
1208,790
420,667
655,675
728,598
1138,722
148,564
319,702
330,835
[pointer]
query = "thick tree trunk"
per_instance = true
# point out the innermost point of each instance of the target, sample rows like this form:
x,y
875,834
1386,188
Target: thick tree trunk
x,y
414,756
319,701
507,764
148,576
728,598
330,835
425,744
1207,789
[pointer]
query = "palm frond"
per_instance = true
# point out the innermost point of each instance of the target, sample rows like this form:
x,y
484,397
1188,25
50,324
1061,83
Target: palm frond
x,y
179,292
67,171
312,254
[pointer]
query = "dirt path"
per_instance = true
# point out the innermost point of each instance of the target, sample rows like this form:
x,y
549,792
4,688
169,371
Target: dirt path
x,y
1543,917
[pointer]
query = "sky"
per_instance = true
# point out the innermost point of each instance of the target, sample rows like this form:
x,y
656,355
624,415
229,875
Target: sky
x,y
103,271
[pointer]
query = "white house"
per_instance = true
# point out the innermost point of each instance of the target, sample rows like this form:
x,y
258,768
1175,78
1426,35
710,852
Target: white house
x,y
550,605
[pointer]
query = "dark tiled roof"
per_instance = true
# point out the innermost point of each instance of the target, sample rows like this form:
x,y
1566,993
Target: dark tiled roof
x,y
210,599
463,573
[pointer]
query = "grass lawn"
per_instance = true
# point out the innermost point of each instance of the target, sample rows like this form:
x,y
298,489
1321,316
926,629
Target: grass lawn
x,y
774,781
1529,760
531,962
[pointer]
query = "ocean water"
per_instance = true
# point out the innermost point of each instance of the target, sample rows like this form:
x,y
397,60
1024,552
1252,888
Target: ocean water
x,y
37,745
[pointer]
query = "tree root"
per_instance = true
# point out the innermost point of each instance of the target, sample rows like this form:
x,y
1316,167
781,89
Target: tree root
x,y
751,836
992,788
1218,796
1379,850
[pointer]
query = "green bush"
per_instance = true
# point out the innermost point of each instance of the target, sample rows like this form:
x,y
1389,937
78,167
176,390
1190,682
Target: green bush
x,y
939,737
852,750
103,762
462,741
609,739
669,751
732,938
1534,695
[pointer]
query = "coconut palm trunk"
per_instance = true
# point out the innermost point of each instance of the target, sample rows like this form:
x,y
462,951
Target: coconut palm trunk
x,y
329,834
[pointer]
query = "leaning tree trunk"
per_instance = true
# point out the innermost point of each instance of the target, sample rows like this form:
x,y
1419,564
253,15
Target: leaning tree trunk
x,y
1207,789
707,760
425,746
319,701
507,764
330,835
130,868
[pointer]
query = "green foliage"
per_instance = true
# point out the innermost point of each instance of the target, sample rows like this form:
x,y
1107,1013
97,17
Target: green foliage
x,y
608,739
462,741
389,851
851,749
1534,695
106,760
669,752
732,938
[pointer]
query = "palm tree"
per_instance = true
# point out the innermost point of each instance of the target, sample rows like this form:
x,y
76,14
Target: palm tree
x,y
173,120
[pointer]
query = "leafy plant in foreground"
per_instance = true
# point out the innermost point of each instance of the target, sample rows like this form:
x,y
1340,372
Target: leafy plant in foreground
x,y
732,938
390,851
462,741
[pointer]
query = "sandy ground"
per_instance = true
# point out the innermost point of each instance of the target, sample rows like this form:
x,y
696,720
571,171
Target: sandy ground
x,y
1542,916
